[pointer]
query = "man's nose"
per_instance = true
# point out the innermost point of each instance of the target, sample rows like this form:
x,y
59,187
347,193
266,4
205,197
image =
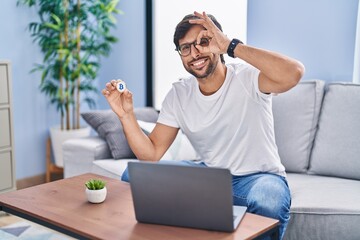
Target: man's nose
x,y
194,51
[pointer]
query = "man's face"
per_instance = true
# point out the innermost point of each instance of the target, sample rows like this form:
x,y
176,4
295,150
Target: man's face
x,y
201,65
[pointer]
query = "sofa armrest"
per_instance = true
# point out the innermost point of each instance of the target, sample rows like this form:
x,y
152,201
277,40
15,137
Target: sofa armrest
x,y
79,154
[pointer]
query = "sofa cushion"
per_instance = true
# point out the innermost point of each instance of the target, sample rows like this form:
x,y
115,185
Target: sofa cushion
x,y
108,126
337,144
111,168
323,207
296,114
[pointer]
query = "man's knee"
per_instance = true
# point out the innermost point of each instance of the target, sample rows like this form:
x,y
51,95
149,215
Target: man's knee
x,y
125,176
270,196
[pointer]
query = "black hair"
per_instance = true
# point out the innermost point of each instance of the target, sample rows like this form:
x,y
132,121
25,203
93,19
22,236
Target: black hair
x,y
183,27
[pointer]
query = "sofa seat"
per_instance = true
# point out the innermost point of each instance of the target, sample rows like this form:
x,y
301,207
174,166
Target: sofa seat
x,y
323,207
111,168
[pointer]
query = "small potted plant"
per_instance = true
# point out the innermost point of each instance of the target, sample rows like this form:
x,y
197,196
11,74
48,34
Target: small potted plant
x,y
95,190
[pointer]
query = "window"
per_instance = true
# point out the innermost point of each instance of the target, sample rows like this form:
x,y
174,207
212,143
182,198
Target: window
x,y
166,63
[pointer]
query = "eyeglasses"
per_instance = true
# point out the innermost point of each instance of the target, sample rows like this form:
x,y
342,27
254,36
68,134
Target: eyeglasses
x,y
185,49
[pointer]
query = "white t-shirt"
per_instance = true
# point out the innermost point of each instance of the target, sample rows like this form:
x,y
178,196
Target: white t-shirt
x,y
232,128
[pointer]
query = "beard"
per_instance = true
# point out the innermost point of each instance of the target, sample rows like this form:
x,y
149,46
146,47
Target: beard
x,y
210,68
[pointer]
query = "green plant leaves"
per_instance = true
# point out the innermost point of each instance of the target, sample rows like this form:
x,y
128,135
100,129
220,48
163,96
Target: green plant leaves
x,y
73,36
95,184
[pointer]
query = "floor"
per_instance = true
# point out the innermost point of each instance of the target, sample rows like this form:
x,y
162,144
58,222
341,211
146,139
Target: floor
x,y
7,219
40,232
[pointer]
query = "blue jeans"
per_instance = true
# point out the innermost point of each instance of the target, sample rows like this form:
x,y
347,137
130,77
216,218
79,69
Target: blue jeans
x,y
265,194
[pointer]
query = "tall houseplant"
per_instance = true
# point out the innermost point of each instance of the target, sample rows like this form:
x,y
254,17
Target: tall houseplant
x,y
73,35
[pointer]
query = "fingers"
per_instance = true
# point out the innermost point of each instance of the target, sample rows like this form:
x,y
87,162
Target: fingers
x,y
112,84
205,17
203,34
203,20
211,29
109,88
105,92
127,101
127,96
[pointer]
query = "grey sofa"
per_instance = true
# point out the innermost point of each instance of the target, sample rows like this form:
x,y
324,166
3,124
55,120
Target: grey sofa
x,y
317,129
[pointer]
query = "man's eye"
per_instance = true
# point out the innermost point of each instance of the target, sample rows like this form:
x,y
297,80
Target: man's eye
x,y
184,48
204,42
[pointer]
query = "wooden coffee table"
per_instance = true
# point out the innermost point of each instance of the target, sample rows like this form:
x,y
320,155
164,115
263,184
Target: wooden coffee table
x,y
62,206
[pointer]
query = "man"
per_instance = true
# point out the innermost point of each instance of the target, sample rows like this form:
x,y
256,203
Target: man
x,y
225,111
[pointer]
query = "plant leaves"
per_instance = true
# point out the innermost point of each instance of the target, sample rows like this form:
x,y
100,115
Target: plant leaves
x,y
95,184
65,58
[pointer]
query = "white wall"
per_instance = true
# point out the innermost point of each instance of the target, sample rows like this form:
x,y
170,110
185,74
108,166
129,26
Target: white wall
x,y
167,14
321,34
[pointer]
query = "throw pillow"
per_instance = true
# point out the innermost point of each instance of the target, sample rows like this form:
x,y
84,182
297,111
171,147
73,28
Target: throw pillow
x,y
296,114
337,144
108,126
180,149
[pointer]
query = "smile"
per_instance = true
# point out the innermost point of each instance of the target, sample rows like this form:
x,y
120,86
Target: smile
x,y
199,63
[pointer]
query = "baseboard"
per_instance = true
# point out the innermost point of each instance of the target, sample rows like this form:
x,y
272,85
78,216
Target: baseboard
x,y
36,180
30,181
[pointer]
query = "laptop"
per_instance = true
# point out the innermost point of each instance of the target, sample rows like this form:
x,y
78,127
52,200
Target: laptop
x,y
184,196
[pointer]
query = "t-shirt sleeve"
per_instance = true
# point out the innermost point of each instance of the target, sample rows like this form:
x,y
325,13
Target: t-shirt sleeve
x,y
251,83
167,115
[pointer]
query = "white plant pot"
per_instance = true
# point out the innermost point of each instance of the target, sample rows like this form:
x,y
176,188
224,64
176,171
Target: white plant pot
x,y
59,136
96,196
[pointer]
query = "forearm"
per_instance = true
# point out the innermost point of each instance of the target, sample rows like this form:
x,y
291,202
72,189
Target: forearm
x,y
281,71
139,142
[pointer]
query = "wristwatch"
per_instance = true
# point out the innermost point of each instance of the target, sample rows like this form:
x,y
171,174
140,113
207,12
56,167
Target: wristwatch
x,y
232,46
